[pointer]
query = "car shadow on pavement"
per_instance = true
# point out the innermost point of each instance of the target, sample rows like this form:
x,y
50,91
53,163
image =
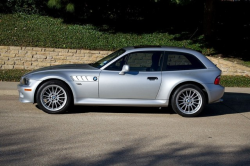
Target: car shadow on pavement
x,y
233,103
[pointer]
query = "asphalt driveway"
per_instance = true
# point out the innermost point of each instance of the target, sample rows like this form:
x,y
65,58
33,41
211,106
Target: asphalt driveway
x,y
126,135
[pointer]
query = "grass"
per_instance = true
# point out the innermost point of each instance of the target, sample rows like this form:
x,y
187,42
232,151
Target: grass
x,y
44,31
14,75
235,81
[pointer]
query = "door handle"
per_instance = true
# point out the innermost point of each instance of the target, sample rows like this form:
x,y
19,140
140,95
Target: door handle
x,y
152,78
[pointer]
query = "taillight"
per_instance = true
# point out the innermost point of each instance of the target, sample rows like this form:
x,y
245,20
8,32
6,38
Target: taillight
x,y
217,80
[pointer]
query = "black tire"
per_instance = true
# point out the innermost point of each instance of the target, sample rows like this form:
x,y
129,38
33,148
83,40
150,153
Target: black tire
x,y
188,100
54,93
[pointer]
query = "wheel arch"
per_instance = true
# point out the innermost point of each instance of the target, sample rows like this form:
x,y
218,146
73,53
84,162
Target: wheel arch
x,y
189,82
56,79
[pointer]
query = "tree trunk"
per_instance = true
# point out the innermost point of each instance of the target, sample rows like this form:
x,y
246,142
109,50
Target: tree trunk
x,y
209,16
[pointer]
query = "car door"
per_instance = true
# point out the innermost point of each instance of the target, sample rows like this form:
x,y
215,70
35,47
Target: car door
x,y
141,82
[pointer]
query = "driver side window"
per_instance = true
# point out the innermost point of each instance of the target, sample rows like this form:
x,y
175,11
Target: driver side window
x,y
139,61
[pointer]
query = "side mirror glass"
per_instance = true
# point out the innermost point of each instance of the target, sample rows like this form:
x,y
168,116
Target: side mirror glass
x,y
125,69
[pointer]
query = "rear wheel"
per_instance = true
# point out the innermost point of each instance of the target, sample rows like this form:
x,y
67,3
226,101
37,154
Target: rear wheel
x,y
188,100
53,97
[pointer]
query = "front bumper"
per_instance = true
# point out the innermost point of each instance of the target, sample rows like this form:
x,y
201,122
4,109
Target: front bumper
x,y
27,92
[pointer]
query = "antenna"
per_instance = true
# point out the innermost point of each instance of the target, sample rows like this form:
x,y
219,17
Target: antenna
x,y
184,45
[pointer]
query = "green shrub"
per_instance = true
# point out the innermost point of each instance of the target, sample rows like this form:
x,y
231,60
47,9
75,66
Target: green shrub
x,y
235,81
44,31
12,75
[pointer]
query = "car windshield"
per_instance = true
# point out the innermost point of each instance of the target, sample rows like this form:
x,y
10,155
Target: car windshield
x,y
108,58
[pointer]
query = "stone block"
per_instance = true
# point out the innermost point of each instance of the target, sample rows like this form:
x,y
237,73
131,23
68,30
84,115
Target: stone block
x,y
19,63
4,58
29,67
60,57
37,49
27,48
8,55
13,51
88,55
18,67
43,64
49,49
2,62
74,61
79,55
7,67
31,52
40,56
72,58
20,55
29,56
53,53
66,54
15,48
72,51
22,52
85,51
4,47
43,53
62,61
95,52
62,50
27,63
9,62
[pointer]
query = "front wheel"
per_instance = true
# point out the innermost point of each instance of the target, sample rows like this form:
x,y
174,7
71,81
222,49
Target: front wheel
x,y
53,97
188,100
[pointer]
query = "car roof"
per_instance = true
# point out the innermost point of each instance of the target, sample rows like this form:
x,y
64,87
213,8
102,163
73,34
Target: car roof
x,y
160,48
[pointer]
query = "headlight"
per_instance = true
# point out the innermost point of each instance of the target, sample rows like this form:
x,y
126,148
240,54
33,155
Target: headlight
x,y
24,81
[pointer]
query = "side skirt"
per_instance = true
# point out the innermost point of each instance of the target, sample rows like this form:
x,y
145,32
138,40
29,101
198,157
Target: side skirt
x,y
122,102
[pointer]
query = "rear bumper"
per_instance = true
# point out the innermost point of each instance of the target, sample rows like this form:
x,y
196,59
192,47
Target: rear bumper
x,y
215,92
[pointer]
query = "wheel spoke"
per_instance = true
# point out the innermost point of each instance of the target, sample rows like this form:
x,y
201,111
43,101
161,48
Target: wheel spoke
x,y
58,91
58,103
50,103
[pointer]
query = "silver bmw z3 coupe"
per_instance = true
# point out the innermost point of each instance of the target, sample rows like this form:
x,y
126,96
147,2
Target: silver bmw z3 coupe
x,y
152,76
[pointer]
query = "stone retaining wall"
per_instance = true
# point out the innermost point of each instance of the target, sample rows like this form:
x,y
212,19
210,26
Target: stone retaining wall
x,y
34,57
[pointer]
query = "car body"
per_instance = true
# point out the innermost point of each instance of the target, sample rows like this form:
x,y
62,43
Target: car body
x,y
152,76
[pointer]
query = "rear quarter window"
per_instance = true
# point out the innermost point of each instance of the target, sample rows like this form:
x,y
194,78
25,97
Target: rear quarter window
x,y
181,61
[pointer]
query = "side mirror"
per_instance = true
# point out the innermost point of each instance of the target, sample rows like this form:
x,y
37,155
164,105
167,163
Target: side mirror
x,y
125,69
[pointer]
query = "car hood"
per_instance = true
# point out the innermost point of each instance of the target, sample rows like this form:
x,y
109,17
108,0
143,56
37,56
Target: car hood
x,y
63,67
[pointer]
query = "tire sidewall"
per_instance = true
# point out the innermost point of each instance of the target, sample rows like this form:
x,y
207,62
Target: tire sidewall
x,y
58,83
174,104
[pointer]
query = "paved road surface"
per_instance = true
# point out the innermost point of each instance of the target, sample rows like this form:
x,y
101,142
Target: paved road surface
x,y
125,135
